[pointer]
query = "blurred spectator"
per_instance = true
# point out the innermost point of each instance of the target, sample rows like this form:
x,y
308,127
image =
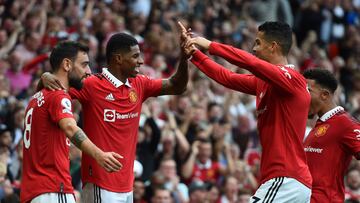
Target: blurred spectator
x,y
161,195
230,190
244,196
213,193
148,140
139,191
197,192
353,185
157,180
178,189
244,176
200,167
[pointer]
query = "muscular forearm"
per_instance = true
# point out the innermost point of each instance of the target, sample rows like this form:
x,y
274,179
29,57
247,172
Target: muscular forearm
x,y
180,79
78,137
81,141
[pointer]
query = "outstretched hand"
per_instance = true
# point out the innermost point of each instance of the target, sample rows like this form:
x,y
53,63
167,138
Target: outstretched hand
x,y
200,42
188,42
186,48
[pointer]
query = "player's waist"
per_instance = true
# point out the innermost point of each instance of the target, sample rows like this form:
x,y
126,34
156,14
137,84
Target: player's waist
x,y
123,185
301,175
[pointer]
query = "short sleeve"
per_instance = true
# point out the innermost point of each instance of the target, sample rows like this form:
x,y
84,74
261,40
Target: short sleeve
x,y
351,138
152,87
60,107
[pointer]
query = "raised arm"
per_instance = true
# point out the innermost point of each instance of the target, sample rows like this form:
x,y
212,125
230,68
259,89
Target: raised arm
x,y
279,76
107,160
176,84
241,82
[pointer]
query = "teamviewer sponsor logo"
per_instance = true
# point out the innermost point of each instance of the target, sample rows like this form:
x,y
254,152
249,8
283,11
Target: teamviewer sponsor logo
x,y
109,115
313,150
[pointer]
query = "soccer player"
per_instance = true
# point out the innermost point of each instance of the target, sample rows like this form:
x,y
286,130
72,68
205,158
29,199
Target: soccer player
x,y
282,101
46,176
111,103
333,141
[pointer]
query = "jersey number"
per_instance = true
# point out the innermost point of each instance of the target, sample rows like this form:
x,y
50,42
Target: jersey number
x,y
27,131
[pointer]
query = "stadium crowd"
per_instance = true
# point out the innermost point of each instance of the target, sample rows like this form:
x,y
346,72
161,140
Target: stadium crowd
x,y
212,124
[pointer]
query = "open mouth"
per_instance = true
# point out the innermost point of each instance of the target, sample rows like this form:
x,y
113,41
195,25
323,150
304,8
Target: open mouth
x,y
137,70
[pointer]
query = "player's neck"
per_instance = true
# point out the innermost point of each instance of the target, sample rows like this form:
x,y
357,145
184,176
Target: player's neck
x,y
63,78
326,108
279,60
117,73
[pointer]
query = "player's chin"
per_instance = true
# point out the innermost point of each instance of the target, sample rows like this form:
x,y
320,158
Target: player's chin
x,y
134,73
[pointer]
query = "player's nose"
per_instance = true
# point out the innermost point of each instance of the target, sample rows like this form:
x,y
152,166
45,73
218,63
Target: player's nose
x,y
141,60
88,70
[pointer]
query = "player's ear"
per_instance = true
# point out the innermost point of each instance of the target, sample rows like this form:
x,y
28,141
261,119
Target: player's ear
x,y
66,64
118,58
325,94
275,47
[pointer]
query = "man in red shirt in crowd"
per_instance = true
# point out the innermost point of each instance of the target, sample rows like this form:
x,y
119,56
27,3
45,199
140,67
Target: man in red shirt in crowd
x,y
111,103
333,141
199,166
46,176
282,101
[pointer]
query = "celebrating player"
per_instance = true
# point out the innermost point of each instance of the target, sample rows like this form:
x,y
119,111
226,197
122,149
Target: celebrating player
x,y
46,176
333,141
282,101
111,104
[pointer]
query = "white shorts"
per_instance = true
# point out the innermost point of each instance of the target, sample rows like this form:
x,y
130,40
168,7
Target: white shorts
x,y
282,190
54,198
94,194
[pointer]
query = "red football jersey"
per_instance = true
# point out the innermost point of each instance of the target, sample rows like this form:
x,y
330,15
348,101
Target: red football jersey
x,y
282,103
210,171
329,148
46,161
111,113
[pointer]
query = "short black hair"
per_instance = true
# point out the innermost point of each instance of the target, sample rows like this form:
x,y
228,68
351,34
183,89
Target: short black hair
x,y
279,32
65,49
119,42
322,77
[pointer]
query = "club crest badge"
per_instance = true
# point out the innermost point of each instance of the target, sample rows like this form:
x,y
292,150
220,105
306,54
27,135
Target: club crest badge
x,y
321,130
133,97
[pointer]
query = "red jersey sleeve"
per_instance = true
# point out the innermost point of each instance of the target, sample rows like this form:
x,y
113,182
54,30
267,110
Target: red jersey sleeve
x,y
280,77
351,138
60,107
152,88
241,82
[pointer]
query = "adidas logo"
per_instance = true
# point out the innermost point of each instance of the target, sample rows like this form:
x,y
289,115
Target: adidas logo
x,y
110,97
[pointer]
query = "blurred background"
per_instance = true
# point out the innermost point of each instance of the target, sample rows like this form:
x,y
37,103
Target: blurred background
x,y
213,123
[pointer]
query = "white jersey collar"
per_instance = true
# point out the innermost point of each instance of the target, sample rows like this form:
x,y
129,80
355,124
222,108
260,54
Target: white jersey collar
x,y
206,165
111,78
331,113
290,66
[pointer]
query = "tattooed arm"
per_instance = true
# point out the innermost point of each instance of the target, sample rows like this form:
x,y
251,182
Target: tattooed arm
x,y
108,160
